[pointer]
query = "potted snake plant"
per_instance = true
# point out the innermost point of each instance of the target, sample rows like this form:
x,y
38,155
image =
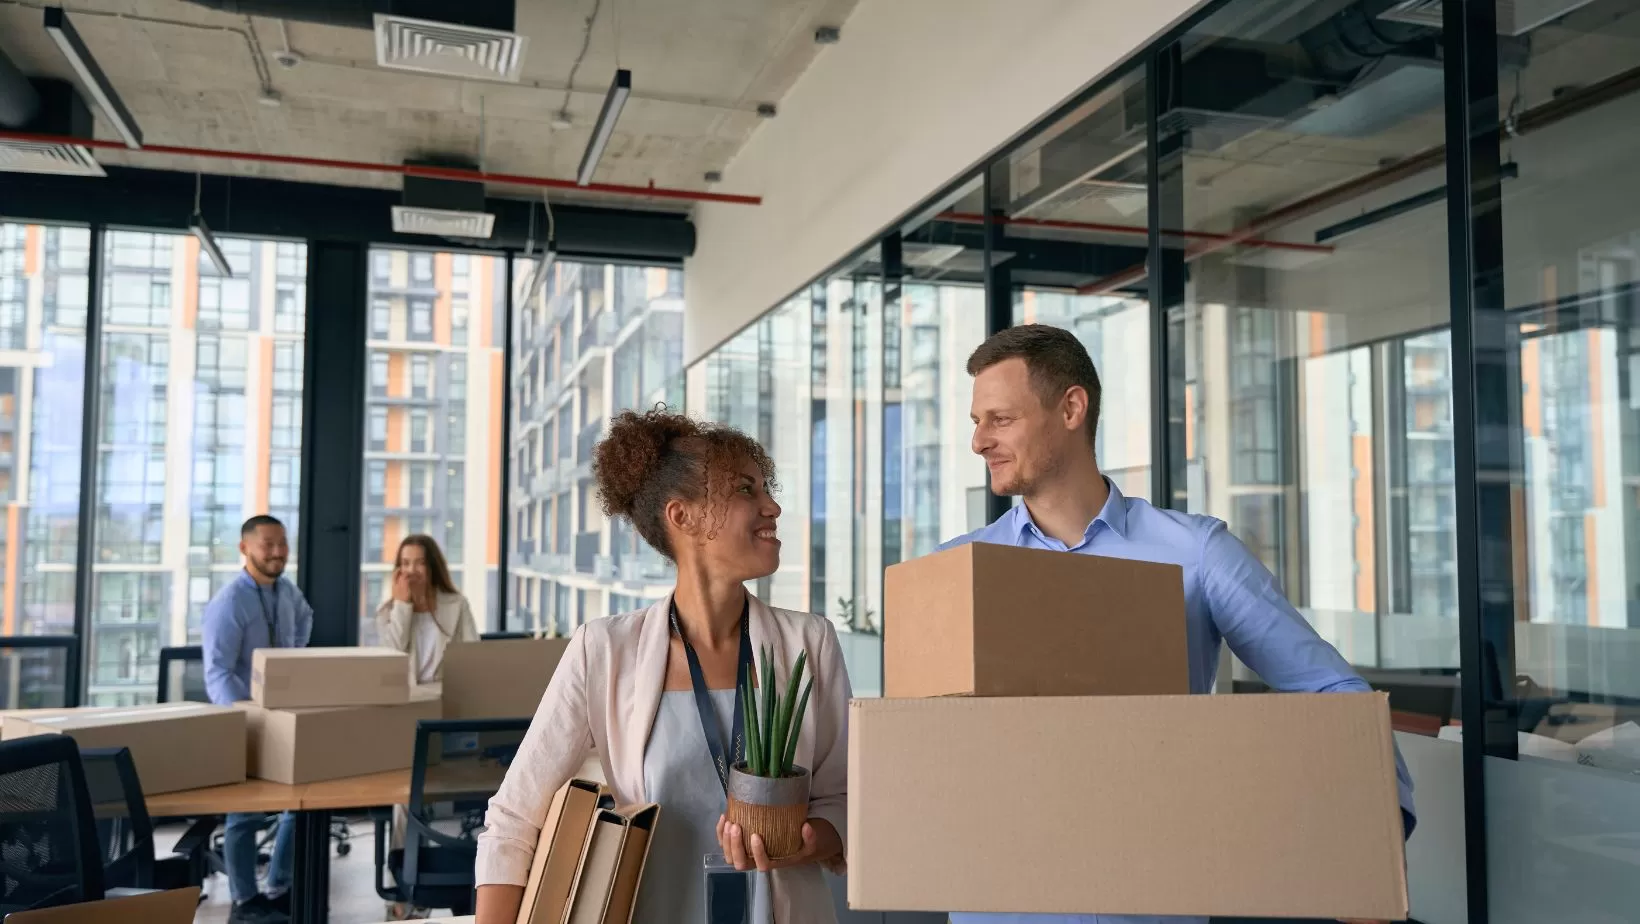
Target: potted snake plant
x,y
768,793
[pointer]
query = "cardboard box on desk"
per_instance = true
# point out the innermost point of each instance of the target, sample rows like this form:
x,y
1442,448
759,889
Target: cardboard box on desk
x,y
311,744
1278,805
499,679
291,678
175,746
993,620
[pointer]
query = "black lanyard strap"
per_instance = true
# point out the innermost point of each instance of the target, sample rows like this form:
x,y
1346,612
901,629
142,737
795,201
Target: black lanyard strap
x,y
703,699
272,619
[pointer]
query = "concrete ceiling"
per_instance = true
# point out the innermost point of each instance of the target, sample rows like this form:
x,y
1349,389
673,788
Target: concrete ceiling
x,y
195,77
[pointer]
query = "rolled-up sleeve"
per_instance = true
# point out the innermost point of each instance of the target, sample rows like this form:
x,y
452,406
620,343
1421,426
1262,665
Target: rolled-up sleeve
x,y
828,781
555,746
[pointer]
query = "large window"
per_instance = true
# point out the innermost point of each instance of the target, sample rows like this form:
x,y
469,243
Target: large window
x,y
43,294
429,444
200,428
596,340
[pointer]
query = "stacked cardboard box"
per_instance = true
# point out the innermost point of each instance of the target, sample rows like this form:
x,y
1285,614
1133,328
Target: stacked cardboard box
x,y
499,679
1038,753
175,746
589,860
326,713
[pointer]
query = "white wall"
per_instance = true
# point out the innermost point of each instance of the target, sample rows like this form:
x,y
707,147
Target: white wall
x,y
917,93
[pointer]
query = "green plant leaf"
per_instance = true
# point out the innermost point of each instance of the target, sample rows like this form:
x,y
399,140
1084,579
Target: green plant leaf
x,y
769,696
783,718
748,721
790,756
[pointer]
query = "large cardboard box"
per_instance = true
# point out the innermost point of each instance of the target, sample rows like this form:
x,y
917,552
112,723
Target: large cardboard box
x,y
500,679
173,907
175,746
291,678
1278,805
993,620
310,744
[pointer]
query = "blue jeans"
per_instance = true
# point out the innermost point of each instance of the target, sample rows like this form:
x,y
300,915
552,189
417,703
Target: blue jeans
x,y
239,855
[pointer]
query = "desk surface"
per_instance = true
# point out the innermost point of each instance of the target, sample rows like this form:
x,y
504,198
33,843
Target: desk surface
x,y
390,788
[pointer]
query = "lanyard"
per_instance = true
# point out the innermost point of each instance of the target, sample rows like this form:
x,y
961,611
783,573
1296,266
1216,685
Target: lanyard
x,y
703,699
272,619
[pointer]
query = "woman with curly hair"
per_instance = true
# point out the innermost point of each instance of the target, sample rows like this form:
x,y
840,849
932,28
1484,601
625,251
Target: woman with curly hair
x,y
700,494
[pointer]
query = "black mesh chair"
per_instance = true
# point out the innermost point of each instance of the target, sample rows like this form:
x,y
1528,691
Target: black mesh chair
x,y
182,675
48,852
448,797
502,636
125,834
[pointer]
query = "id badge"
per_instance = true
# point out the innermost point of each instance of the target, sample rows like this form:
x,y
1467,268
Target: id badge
x,y
728,891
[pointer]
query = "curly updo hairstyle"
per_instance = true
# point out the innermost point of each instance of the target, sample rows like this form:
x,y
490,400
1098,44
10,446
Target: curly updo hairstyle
x,y
650,459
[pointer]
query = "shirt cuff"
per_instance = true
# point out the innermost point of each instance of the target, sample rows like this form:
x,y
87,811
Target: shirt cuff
x,y
502,863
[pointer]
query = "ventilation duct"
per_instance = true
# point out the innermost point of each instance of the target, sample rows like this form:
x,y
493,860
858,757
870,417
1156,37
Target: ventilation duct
x,y
57,110
443,208
1515,17
19,101
361,14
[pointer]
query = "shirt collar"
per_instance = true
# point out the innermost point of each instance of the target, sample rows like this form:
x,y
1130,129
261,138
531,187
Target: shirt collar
x,y
250,582
1114,515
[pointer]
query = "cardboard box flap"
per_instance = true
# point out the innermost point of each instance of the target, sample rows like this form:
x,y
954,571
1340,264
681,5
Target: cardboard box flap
x,y
125,715
1279,805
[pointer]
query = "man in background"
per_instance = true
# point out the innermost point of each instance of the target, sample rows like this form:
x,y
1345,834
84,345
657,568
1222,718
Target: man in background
x,y
1035,411
258,609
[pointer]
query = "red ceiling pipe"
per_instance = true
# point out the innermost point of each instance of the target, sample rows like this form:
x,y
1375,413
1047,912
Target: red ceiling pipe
x,y
968,218
437,173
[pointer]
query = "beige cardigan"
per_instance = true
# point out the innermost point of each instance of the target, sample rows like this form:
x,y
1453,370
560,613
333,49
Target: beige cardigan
x,y
394,626
605,694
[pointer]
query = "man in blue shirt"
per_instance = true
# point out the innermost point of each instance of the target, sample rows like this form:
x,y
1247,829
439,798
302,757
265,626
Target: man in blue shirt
x,y
259,609
1035,409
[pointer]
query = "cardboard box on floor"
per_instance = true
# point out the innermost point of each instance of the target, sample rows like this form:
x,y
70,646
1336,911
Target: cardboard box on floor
x,y
992,620
316,743
294,678
523,665
176,906
1278,805
175,746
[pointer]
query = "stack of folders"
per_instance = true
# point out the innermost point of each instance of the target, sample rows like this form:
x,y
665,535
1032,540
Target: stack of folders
x,y
590,859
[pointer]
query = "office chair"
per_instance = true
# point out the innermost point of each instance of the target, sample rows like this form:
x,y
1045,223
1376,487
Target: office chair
x,y
125,833
48,851
503,636
434,868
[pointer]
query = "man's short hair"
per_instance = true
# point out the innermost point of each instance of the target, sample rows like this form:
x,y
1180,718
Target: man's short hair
x,y
257,522
1054,357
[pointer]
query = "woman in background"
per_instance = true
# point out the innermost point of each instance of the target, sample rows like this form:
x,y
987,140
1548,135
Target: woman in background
x,y
424,612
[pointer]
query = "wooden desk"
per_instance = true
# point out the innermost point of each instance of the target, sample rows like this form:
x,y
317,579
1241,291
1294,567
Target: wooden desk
x,y
356,792
249,796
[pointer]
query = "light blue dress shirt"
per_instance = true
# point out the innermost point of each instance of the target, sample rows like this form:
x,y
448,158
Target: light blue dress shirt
x,y
1229,596
237,622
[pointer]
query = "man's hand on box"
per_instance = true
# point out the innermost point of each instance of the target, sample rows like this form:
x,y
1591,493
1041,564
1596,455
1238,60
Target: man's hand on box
x,y
821,844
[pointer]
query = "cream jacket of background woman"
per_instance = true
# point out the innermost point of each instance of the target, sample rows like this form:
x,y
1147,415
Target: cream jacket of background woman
x,y
396,627
605,694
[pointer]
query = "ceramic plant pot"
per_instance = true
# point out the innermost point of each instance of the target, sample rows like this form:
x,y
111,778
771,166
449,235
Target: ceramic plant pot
x,y
774,809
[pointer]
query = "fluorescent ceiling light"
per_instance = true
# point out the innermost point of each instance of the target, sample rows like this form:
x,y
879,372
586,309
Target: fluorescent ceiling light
x,y
613,101
207,243
91,76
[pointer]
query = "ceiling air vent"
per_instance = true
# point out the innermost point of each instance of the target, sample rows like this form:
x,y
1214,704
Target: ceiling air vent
x,y
1515,17
410,219
465,52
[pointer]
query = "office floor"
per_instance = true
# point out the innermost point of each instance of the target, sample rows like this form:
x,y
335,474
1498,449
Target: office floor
x,y
353,898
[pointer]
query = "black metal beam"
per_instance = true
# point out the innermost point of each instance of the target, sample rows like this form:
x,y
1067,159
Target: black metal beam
x,y
85,589
1481,365
163,199
330,533
505,534
999,292
1164,158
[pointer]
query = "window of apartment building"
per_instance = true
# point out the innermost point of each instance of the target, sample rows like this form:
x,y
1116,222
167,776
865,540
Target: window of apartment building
x,y
420,485
421,318
290,260
378,372
460,310
284,477
421,268
374,537
455,488
461,269
224,304
138,299
381,317
287,366
221,361
129,597
381,267
421,374
376,483
458,379
289,314
456,434
378,428
287,422
420,439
